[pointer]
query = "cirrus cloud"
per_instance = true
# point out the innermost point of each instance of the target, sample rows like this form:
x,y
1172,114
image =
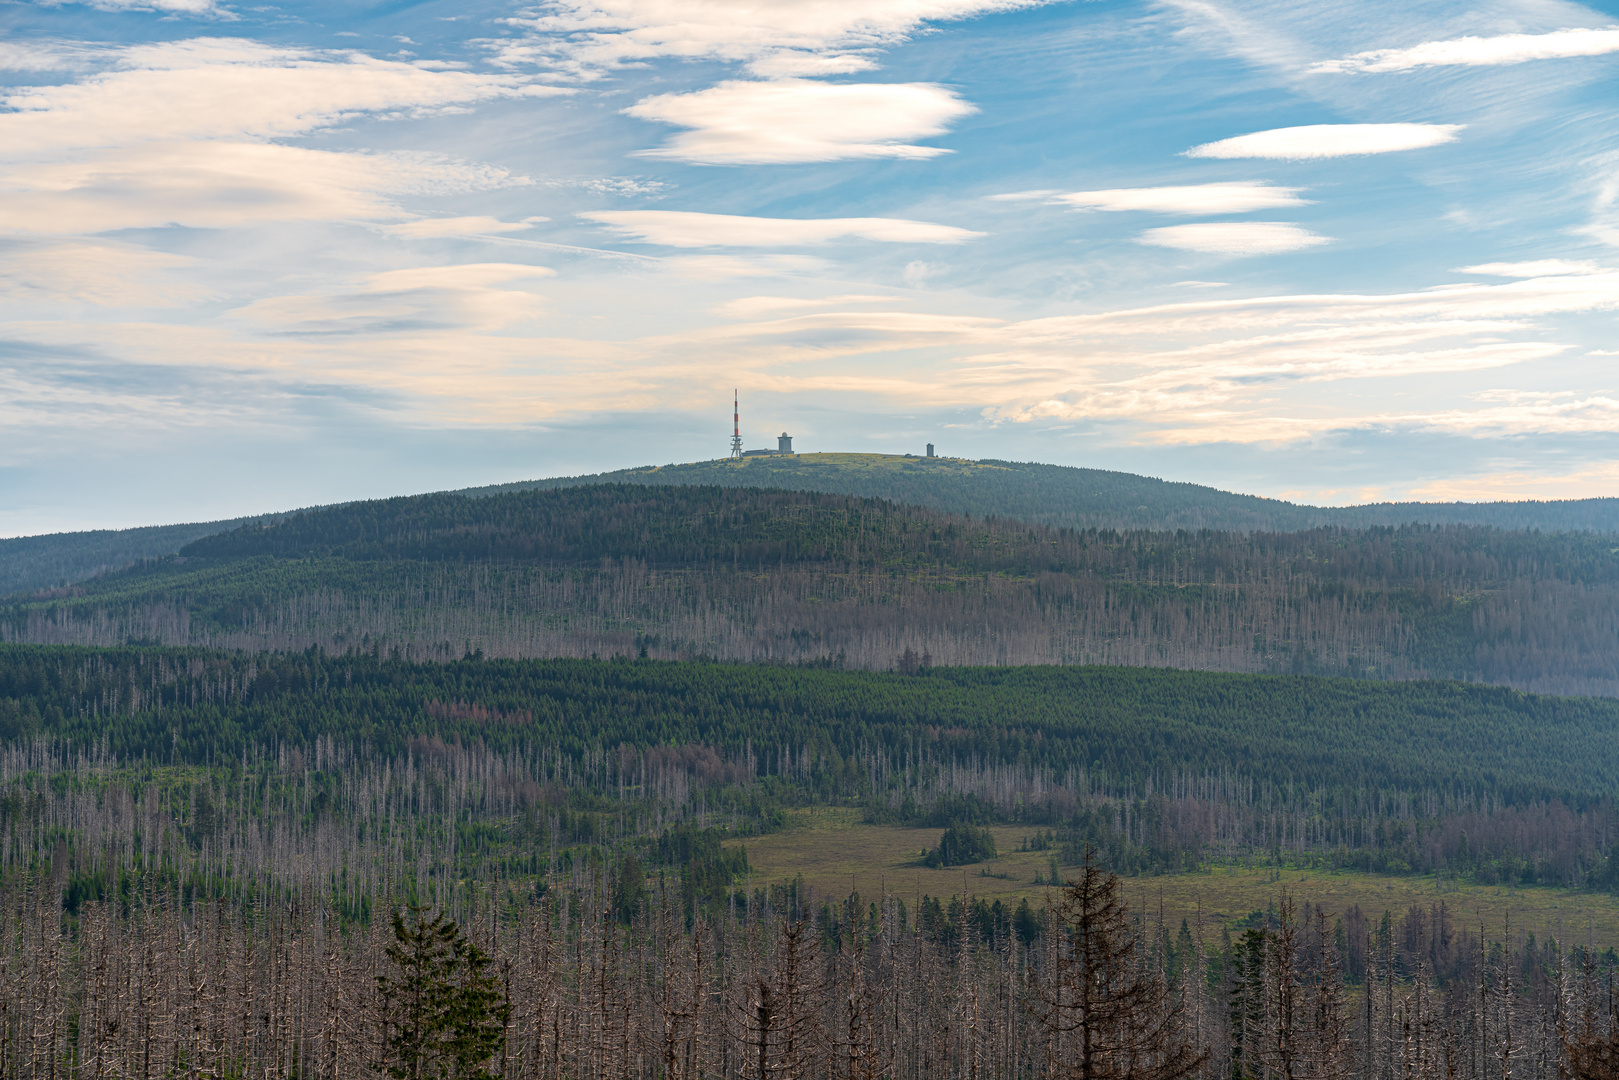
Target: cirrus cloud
x,y
1228,197
797,120
1314,141
785,37
1479,51
1235,237
439,228
688,229
419,300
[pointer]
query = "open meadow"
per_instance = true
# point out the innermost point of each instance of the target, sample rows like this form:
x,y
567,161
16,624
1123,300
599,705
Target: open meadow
x,y
836,852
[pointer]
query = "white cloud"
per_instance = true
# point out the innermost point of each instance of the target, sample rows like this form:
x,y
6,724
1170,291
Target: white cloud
x,y
103,274
1535,269
440,343
753,307
1462,308
180,133
779,38
1594,414
1234,197
687,229
173,7
434,228
415,301
1235,237
187,7
792,65
1480,51
711,268
918,272
47,55
210,88
1595,481
461,276
795,120
1237,370
214,184
1024,196
1315,141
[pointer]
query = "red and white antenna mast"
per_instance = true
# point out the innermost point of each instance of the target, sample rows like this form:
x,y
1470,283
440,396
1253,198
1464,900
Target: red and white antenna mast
x,y
736,428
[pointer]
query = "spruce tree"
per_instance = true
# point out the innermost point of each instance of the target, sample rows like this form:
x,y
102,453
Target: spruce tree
x,y
445,1014
1109,1012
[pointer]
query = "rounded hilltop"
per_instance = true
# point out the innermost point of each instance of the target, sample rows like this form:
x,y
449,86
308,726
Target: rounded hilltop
x,y
839,459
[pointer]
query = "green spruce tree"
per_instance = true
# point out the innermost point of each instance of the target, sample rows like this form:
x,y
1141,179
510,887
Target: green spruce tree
x,y
445,1013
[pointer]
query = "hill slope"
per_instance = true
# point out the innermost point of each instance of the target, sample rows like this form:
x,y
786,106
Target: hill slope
x,y
1070,497
54,559
749,574
1127,728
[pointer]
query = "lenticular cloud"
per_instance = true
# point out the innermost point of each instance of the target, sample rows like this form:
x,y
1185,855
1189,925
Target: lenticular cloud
x,y
685,228
1479,51
1234,237
798,120
1316,141
1229,197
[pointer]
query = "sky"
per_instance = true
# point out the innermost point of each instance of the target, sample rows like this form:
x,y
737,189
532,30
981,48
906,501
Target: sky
x,y
261,256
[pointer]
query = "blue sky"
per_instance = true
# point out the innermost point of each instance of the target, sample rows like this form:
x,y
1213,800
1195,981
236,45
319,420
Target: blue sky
x,y
262,256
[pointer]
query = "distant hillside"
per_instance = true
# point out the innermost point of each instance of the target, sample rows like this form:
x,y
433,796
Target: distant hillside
x,y
747,574
1079,498
56,559
1327,742
1043,494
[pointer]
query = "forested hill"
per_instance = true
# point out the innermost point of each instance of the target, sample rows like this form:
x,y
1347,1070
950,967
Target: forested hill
x,y
1042,494
1080,498
36,562
753,574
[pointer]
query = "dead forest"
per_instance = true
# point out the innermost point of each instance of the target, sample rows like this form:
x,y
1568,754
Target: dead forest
x,y
787,985
235,921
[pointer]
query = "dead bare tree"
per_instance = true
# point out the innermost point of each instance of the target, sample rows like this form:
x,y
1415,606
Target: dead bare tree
x,y
1111,1015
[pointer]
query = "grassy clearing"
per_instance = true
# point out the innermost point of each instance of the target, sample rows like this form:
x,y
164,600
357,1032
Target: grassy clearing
x,y
835,852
